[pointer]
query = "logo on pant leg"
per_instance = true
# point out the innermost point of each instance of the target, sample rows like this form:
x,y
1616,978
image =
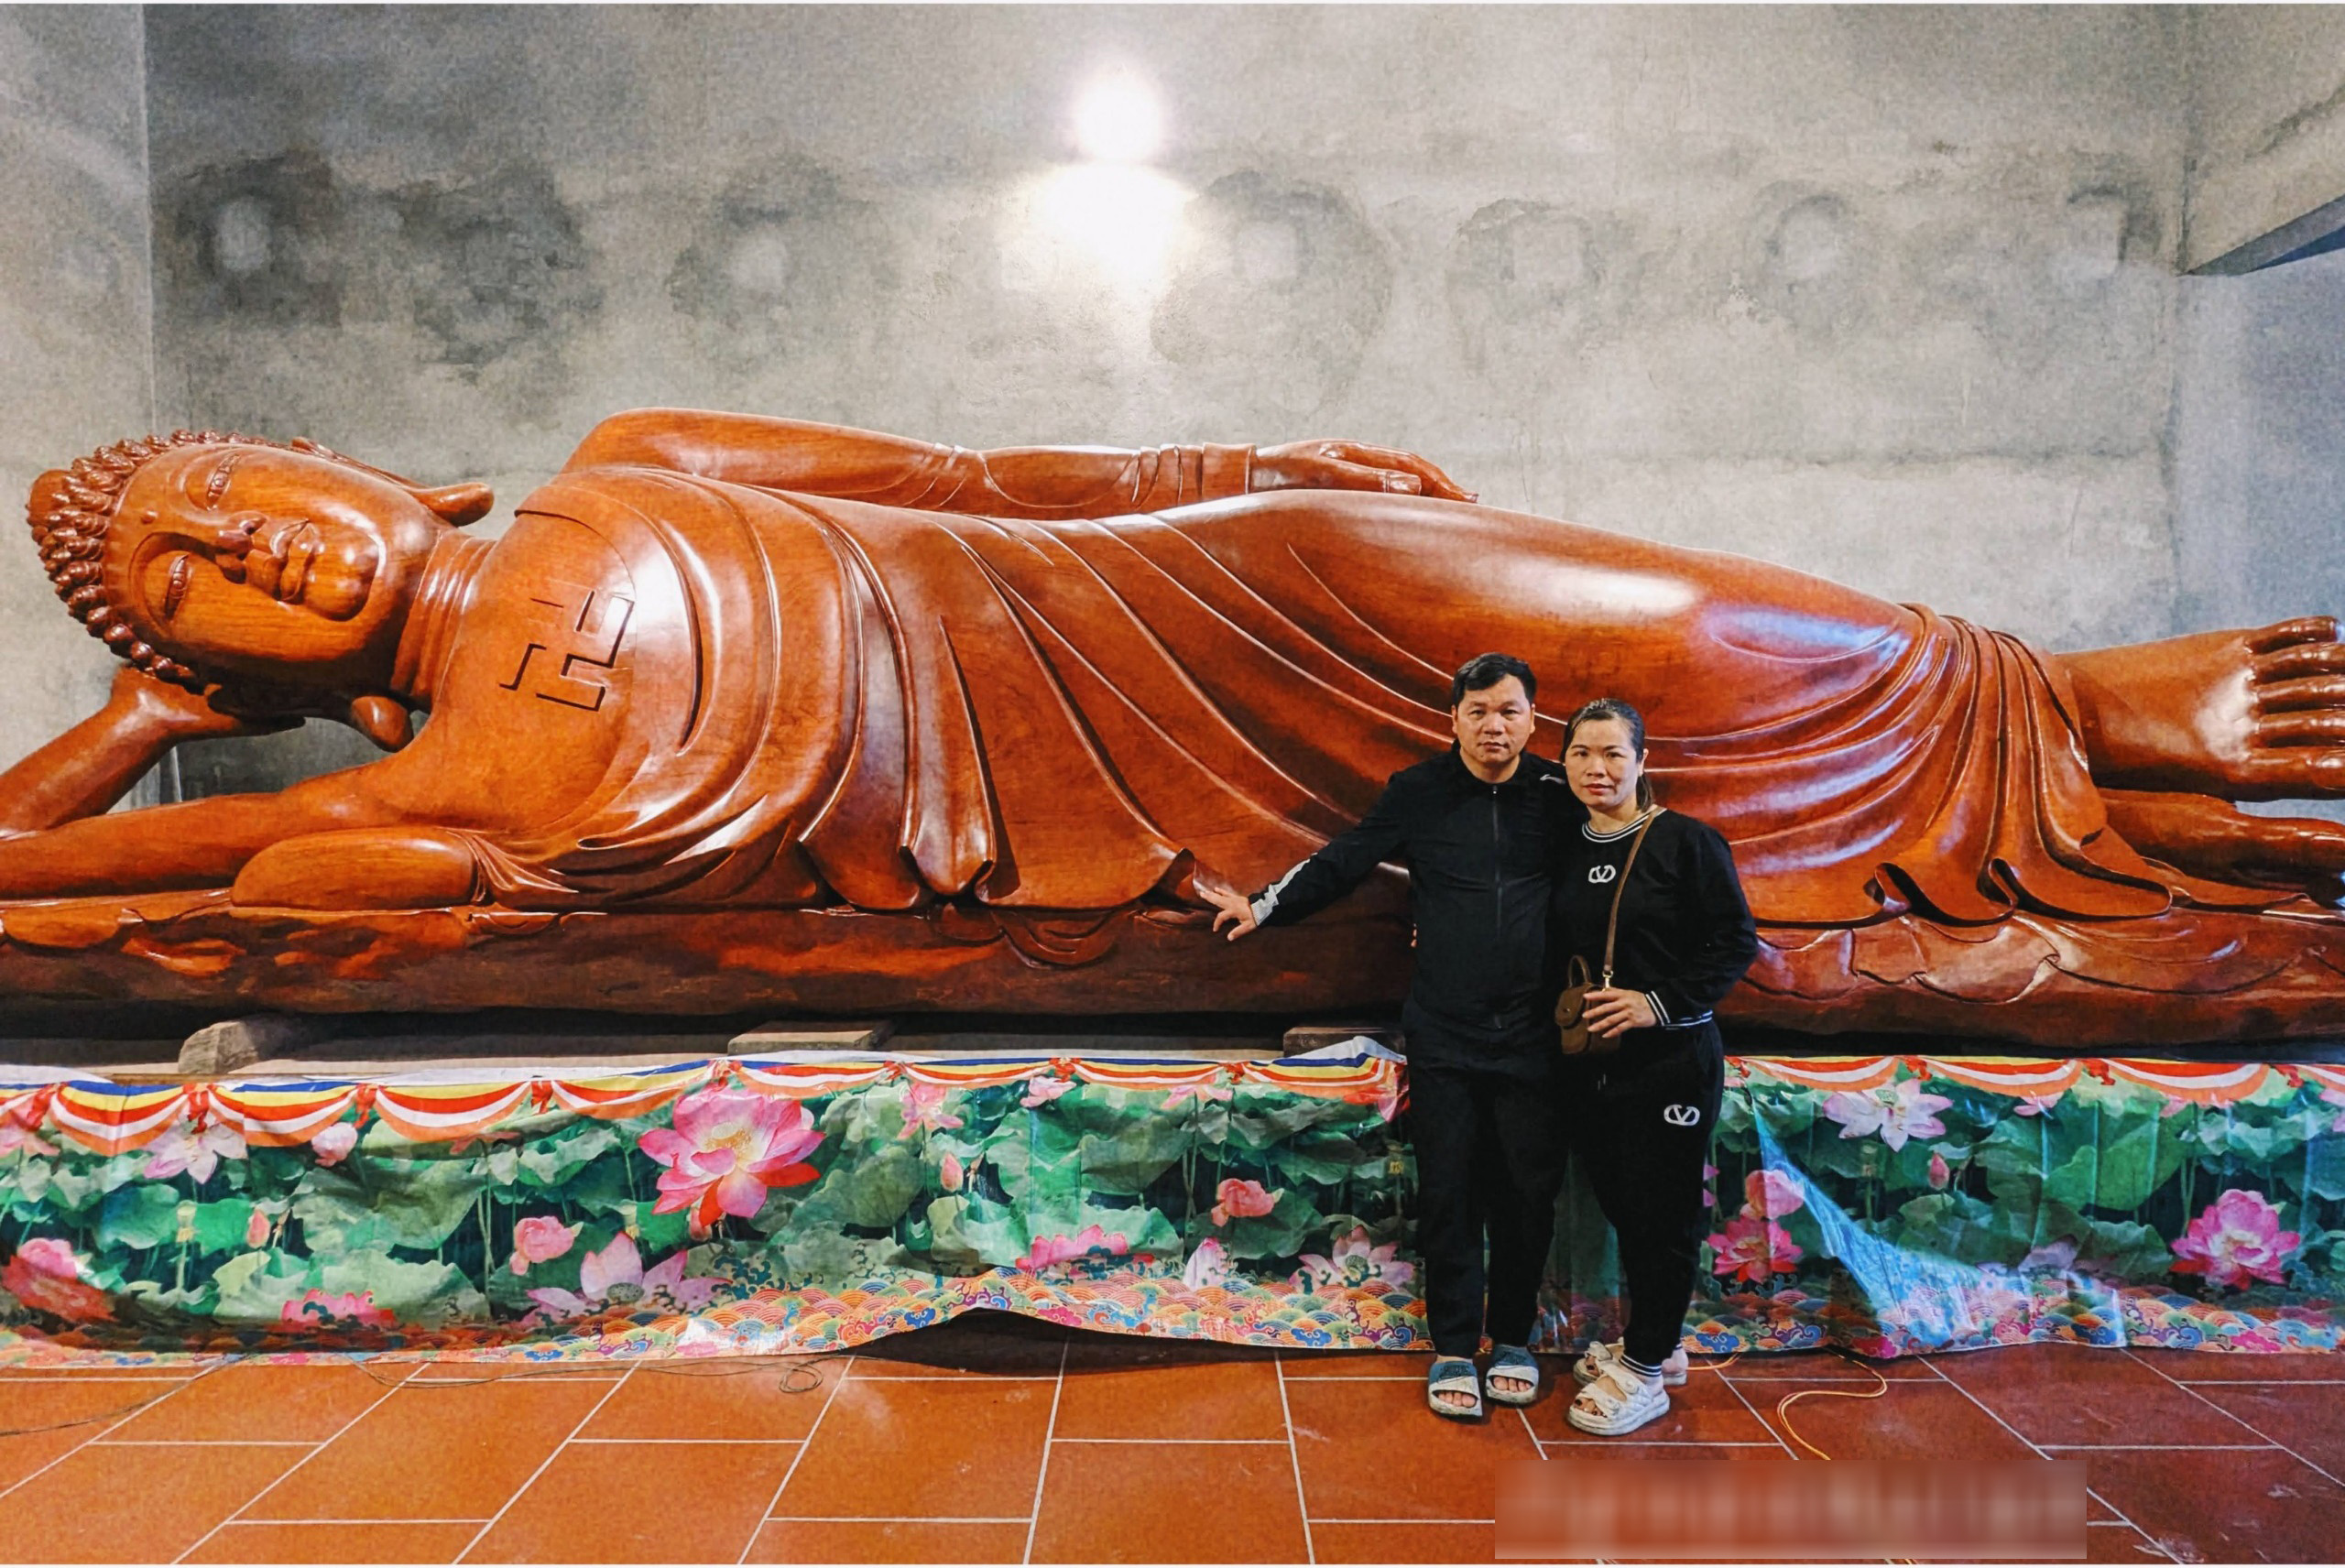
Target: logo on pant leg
x,y
1681,1115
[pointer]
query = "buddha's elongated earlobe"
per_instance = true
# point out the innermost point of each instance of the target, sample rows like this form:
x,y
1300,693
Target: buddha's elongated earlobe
x,y
459,504
382,720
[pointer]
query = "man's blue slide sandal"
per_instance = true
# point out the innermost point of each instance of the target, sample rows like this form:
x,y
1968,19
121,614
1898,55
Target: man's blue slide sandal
x,y
1517,1362
1454,1375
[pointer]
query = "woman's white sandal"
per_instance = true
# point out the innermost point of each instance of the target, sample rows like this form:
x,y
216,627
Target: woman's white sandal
x,y
1622,1400
1468,1382
1603,1353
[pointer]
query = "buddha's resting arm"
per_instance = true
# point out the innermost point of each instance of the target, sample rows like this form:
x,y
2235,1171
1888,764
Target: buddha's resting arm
x,y
85,770
199,843
1041,483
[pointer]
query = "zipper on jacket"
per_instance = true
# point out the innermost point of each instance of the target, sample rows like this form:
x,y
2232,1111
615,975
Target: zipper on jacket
x,y
1498,890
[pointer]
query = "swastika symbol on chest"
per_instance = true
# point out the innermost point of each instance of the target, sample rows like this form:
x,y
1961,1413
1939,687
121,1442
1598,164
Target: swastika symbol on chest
x,y
573,634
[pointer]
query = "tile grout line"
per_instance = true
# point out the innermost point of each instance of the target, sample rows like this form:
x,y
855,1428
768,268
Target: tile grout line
x,y
177,1384
2126,1518
1294,1458
1183,1442
266,1524
1764,1425
892,1518
289,1470
1050,1435
796,1459
2242,1421
547,1463
2033,1447
1408,1520
2039,1448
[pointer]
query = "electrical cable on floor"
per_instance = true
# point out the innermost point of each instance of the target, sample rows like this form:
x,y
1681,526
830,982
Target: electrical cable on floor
x,y
170,1385
801,1376
1782,1406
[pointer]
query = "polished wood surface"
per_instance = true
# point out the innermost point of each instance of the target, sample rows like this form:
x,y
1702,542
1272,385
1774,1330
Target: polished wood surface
x,y
824,718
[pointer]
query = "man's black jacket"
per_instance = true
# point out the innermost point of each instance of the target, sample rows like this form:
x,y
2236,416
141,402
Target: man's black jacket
x,y
1480,860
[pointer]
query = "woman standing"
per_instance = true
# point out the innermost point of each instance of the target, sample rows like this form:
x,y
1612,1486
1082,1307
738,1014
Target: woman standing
x,y
1642,1098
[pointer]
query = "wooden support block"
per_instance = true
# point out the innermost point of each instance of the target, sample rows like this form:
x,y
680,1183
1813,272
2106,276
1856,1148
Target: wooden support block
x,y
783,1035
236,1043
1311,1036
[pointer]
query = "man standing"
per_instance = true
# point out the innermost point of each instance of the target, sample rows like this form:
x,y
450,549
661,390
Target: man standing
x,y
1475,827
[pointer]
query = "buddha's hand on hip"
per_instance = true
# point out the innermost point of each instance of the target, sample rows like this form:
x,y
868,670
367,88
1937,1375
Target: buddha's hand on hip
x,y
1350,465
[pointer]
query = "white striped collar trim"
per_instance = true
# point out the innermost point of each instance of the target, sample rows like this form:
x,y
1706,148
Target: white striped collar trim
x,y
1594,837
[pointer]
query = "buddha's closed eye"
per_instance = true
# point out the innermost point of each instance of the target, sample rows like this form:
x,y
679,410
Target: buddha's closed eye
x,y
174,587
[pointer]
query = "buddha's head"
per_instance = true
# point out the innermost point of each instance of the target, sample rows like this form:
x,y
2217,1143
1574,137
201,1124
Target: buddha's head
x,y
210,561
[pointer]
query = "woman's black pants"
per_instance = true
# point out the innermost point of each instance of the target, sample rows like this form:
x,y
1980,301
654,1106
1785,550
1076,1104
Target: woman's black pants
x,y
1490,1149
1641,1130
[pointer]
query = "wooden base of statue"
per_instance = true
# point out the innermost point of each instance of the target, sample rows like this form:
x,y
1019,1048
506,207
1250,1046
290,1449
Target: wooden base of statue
x,y
2030,983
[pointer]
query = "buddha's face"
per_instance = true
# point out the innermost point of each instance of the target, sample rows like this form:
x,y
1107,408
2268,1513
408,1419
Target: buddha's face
x,y
254,560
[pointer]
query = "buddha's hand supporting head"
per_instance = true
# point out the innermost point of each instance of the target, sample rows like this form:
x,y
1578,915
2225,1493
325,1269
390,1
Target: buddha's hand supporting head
x,y
220,560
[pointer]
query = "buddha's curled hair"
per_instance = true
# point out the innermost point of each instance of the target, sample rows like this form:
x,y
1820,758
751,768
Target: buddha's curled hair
x,y
71,510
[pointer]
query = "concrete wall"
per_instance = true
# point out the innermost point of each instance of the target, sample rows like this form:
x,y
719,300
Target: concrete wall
x,y
2260,479
74,301
2267,113
1886,294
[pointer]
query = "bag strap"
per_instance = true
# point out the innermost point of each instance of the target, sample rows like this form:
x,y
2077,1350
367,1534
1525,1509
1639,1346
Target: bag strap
x,y
1613,922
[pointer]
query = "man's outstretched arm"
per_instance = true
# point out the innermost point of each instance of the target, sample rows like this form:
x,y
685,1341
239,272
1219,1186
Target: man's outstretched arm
x,y
1042,482
1317,882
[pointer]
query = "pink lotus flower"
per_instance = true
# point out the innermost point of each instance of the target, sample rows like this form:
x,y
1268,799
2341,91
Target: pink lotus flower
x,y
541,1238
318,1309
1751,1249
1939,1172
256,1227
949,1174
333,1143
1045,1251
2236,1239
2035,1105
1770,1194
46,1275
724,1149
1896,1113
1208,1265
1042,1088
2175,1105
924,1108
1244,1200
1208,1089
2329,1097
1354,1260
617,1277
17,1137
183,1148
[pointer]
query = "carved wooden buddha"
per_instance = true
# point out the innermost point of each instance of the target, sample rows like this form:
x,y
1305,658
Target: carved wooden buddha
x,y
725,662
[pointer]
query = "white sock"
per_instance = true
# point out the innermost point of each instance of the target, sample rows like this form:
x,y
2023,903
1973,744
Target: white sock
x,y
1649,1376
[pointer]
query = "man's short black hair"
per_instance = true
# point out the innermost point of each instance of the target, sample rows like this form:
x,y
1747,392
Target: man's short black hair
x,y
1485,671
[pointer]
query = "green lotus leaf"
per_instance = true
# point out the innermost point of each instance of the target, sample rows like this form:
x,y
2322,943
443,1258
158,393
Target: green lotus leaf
x,y
221,1227
550,1162
1278,1234
1128,1160
140,1216
419,1202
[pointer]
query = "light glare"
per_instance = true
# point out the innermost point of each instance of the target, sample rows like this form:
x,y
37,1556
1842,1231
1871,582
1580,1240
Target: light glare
x,y
1117,121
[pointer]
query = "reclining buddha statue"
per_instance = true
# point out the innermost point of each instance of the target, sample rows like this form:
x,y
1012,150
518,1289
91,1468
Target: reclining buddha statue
x,y
744,712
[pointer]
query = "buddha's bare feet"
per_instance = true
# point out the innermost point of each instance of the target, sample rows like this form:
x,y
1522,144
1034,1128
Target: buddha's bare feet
x,y
2202,836
2243,715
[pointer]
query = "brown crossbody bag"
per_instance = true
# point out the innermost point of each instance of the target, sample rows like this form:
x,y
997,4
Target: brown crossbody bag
x,y
1571,1007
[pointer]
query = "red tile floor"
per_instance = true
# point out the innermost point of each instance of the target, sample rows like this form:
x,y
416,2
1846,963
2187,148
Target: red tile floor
x,y
997,1440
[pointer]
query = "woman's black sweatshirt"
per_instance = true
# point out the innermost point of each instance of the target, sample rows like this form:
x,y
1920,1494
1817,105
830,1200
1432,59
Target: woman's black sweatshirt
x,y
1686,935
